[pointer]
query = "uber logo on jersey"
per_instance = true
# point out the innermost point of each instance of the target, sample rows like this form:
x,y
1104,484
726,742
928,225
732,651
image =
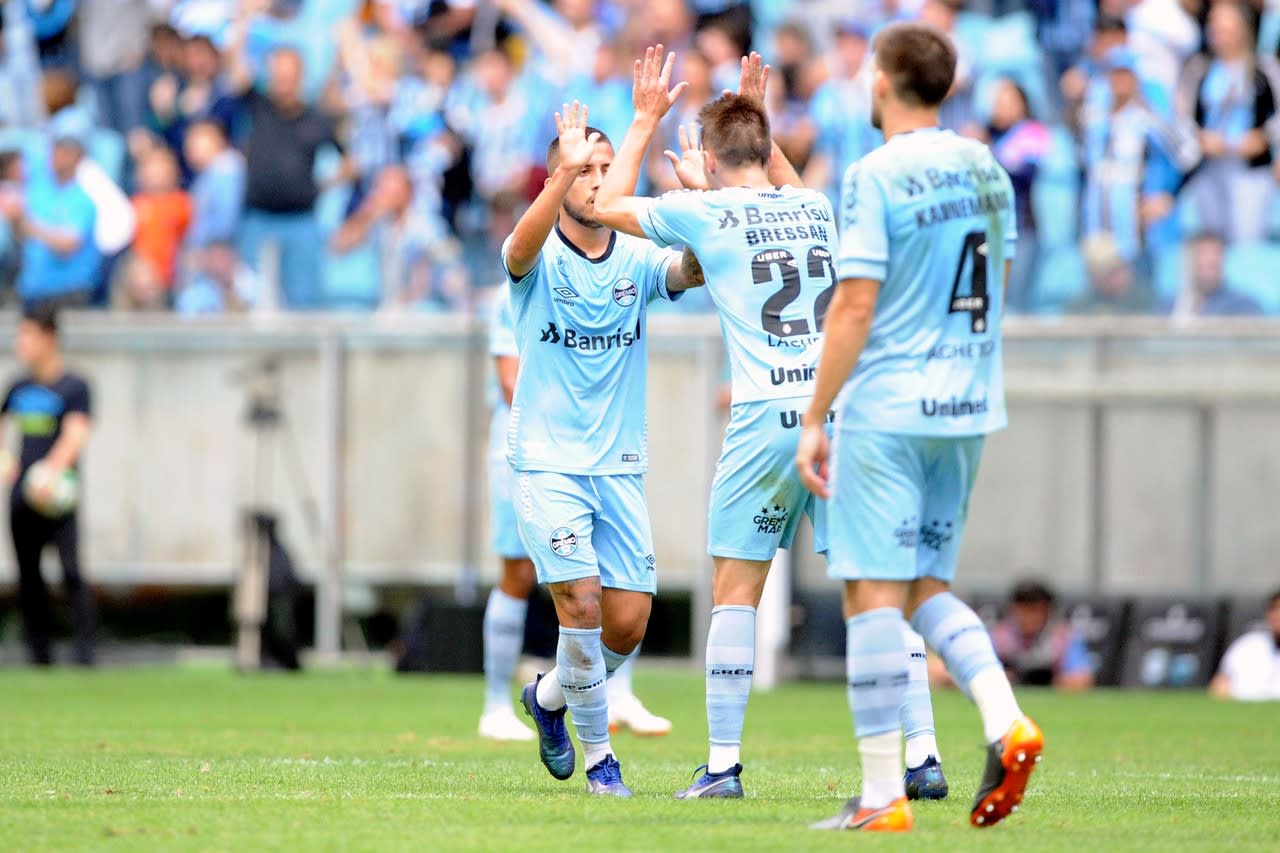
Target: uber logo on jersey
x,y
624,292
564,541
631,457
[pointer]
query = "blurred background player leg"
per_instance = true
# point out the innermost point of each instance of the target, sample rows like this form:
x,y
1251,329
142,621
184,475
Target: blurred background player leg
x,y
625,708
924,780
504,620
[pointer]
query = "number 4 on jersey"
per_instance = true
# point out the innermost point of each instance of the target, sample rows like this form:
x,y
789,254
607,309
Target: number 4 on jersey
x,y
975,303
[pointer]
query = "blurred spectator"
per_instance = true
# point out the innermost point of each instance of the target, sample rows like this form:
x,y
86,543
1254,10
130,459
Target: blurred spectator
x,y
1230,100
52,20
1064,29
497,124
1085,89
1114,287
957,111
564,36
163,213
373,68
841,113
1020,143
113,48
721,50
1207,293
195,92
284,139
11,184
695,70
1134,162
219,283
217,193
1037,646
1163,35
21,104
420,263
60,260
1250,669
793,83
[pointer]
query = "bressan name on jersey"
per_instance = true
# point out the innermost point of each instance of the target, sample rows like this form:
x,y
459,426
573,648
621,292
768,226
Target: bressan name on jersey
x,y
769,260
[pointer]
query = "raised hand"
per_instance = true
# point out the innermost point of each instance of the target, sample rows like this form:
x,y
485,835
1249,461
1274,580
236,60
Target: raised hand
x,y
649,93
690,166
576,147
753,79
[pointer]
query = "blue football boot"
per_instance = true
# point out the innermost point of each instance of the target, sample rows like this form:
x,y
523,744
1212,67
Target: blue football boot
x,y
605,779
725,786
926,782
554,746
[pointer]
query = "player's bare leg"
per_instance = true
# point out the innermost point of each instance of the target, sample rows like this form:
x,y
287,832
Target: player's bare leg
x,y
504,621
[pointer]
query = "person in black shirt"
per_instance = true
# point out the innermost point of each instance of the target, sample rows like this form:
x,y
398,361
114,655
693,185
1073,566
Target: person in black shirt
x,y
285,135
51,408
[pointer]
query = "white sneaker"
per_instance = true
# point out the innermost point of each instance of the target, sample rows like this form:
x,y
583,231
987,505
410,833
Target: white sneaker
x,y
630,713
503,724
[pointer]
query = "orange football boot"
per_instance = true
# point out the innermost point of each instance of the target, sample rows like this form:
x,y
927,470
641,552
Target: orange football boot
x,y
895,817
1010,761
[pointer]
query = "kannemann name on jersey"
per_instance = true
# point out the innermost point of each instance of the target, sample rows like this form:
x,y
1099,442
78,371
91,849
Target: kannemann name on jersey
x,y
930,216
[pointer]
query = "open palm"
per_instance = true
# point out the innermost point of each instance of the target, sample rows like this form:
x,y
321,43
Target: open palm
x,y
576,146
690,165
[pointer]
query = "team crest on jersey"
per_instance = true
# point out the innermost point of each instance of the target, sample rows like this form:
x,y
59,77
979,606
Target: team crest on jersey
x,y
564,542
625,292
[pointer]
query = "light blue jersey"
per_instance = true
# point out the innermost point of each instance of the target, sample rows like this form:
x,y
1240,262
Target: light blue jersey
x,y
930,216
502,513
768,260
580,328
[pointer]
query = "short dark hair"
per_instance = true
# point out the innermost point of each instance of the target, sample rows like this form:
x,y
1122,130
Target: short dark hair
x,y
736,130
919,60
1110,24
1208,235
1031,592
553,150
42,315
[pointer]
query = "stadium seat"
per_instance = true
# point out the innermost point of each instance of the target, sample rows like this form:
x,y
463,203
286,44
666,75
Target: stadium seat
x,y
1171,642
1102,622
1251,269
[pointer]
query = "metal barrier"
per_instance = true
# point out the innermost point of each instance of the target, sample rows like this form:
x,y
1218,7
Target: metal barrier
x,y
1140,457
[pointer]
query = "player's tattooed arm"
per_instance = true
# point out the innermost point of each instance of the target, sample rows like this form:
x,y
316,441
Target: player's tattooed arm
x,y
753,81
571,159
685,272
616,205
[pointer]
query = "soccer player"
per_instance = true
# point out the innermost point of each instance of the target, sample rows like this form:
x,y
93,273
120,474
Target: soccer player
x,y
768,247
928,233
504,614
51,408
576,437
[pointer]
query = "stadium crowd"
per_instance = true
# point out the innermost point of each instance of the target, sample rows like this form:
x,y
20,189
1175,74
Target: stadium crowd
x,y
365,154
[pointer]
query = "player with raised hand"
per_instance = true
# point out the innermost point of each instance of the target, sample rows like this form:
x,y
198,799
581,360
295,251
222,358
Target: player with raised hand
x,y
767,245
928,232
508,604
576,437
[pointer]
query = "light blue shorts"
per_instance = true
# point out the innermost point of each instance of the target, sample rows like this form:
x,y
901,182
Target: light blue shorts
x,y
899,504
502,512
757,497
576,526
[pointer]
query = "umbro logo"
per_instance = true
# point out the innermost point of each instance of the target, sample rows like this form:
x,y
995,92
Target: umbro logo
x,y
565,295
730,220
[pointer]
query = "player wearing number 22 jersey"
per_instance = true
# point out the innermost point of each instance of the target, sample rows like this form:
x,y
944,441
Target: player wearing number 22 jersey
x,y
767,248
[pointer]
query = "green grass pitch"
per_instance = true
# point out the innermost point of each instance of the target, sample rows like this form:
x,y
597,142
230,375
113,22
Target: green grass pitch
x,y
203,759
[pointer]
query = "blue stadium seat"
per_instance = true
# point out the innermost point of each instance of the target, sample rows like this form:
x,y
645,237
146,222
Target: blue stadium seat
x,y
1251,269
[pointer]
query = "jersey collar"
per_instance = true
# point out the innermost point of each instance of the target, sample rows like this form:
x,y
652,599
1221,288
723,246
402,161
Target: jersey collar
x,y
613,241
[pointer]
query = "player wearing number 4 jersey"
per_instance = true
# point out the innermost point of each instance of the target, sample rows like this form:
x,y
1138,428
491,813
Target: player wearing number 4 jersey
x,y
928,233
767,246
